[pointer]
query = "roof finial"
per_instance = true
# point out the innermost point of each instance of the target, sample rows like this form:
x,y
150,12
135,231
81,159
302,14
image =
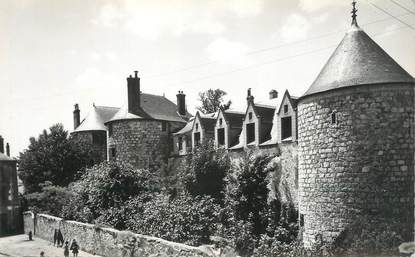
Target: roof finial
x,y
354,11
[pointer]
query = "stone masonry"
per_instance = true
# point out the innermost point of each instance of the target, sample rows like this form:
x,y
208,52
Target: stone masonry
x,y
140,143
360,165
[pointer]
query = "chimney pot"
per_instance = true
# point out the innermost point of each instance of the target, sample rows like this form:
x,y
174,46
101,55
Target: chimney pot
x,y
249,97
273,94
181,103
8,149
133,88
136,72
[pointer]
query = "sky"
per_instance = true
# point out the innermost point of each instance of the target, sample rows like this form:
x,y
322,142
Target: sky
x,y
54,54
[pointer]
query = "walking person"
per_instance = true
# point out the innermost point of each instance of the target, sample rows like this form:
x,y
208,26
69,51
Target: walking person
x,y
66,249
60,238
55,237
74,248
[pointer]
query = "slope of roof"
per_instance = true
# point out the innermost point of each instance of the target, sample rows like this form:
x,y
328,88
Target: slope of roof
x,y
265,112
208,123
4,157
235,118
358,60
96,118
155,107
185,129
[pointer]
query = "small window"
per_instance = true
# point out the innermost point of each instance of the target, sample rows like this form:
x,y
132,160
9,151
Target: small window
x,y
97,139
163,126
333,117
250,115
180,143
250,133
220,122
112,153
110,130
197,138
221,136
301,220
197,126
285,108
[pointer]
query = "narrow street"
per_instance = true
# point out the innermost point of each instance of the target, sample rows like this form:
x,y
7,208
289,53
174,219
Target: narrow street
x,y
20,246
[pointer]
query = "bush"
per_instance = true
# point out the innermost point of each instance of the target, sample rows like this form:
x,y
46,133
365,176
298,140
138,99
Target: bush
x,y
184,219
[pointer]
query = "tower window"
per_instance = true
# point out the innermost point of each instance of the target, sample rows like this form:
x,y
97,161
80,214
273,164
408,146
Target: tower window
x,y
285,108
334,117
98,139
163,126
180,143
112,153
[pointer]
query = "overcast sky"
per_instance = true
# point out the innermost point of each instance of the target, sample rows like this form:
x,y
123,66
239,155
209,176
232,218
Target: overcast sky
x,y
54,54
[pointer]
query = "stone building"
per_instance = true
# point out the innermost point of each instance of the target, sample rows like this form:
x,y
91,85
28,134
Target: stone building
x,y
92,128
140,133
10,213
356,143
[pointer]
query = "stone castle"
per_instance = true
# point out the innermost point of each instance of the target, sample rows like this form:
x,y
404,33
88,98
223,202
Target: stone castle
x,y
353,131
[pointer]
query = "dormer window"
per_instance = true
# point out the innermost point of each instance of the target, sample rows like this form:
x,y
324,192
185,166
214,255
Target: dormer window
x,y
197,126
285,108
220,122
250,115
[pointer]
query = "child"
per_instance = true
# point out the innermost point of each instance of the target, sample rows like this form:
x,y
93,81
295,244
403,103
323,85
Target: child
x,y
66,249
74,248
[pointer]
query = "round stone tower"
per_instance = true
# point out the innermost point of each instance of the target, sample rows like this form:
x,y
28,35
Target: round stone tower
x,y
356,141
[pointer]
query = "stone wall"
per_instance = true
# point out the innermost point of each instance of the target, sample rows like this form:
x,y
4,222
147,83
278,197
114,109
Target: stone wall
x,y
361,166
109,242
140,143
100,145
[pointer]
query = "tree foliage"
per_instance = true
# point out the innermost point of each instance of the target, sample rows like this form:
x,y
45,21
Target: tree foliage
x,y
204,173
53,157
211,100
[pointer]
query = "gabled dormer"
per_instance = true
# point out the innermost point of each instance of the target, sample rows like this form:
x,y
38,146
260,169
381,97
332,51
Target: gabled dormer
x,y
287,119
228,128
203,128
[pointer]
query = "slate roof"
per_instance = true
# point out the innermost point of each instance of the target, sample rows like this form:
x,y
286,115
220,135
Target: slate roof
x,y
154,107
4,157
266,112
96,118
235,118
358,60
186,129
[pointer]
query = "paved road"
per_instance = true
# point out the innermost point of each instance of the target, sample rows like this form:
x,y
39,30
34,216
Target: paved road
x,y
19,246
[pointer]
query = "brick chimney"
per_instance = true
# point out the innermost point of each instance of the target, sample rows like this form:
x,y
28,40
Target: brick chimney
x,y
273,94
1,144
8,149
249,97
181,103
133,85
76,117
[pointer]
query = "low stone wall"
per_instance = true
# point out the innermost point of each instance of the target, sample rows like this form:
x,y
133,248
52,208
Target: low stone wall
x,y
28,222
106,241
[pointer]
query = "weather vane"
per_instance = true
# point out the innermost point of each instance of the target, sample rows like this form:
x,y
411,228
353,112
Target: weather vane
x,y
354,11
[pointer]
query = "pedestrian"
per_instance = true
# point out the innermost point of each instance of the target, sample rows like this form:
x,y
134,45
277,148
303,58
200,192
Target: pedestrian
x,y
30,235
60,238
74,248
66,249
55,237
42,254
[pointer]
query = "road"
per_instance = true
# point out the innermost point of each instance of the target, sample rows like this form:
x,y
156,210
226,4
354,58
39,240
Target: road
x,y
20,246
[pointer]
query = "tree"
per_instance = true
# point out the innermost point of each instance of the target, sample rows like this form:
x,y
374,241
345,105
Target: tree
x,y
212,100
54,157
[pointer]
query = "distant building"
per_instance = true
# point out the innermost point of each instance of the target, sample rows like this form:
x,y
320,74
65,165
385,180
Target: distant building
x,y
10,212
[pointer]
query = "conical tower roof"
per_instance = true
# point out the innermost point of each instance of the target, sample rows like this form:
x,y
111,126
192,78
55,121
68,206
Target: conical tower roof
x,y
358,60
